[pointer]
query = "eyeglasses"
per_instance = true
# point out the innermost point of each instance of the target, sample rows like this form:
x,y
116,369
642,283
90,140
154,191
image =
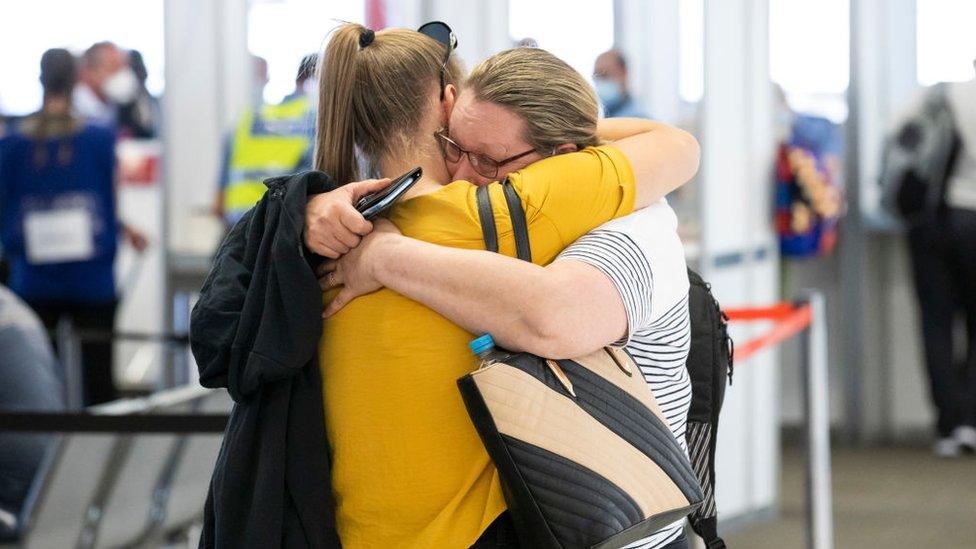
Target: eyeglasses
x,y
482,164
439,31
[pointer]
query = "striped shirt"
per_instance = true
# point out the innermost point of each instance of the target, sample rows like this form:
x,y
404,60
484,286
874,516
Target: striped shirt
x,y
643,256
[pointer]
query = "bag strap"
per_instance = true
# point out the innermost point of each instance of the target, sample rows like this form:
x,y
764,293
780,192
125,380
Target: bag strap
x,y
520,226
707,529
487,216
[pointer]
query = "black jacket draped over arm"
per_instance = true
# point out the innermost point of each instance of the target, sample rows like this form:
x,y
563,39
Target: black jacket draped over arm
x,y
255,330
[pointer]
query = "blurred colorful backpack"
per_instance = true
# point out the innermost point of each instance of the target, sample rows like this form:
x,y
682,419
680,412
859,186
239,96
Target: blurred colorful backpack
x,y
808,196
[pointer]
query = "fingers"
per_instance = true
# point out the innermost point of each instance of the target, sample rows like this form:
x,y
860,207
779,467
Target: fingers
x,y
331,280
326,267
354,222
335,237
337,303
336,279
333,226
367,186
325,251
345,235
331,246
330,275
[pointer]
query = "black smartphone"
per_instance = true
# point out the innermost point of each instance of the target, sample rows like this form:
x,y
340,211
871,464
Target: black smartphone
x,y
376,203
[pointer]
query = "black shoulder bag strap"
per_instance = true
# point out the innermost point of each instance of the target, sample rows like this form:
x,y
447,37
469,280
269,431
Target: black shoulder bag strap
x,y
487,216
519,225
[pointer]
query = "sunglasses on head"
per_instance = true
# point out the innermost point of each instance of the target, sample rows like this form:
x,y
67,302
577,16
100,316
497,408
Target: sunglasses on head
x,y
439,31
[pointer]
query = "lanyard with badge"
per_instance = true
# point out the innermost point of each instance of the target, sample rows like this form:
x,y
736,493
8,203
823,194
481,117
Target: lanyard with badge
x,y
60,230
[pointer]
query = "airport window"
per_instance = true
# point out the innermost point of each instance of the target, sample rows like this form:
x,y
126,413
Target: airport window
x,y
284,31
945,41
577,35
809,54
30,28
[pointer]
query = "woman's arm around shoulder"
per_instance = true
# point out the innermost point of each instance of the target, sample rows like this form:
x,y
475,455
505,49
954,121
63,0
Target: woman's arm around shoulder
x,y
662,157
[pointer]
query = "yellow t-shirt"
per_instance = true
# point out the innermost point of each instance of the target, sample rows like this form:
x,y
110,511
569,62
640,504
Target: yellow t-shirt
x,y
408,468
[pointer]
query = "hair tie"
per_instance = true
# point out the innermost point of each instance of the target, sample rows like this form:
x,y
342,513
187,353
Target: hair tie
x,y
366,38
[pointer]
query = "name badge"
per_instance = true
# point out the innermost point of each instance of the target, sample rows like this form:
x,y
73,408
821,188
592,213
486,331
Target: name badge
x,y
59,235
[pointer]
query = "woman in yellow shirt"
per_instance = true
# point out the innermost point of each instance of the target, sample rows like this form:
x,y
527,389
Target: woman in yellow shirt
x,y
408,468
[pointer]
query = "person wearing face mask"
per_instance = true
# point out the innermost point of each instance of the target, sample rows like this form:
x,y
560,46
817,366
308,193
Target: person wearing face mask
x,y
610,82
105,81
139,116
269,140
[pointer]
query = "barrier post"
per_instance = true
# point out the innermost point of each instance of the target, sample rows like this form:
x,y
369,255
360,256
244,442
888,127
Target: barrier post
x,y
69,353
820,528
177,371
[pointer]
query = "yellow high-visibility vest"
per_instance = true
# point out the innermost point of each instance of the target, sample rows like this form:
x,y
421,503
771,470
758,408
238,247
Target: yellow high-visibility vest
x,y
267,143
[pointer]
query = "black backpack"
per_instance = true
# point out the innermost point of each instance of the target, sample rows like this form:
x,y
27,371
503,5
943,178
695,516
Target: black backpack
x,y
709,364
919,159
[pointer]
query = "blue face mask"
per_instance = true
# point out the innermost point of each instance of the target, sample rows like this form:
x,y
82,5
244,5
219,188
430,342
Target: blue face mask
x,y
607,90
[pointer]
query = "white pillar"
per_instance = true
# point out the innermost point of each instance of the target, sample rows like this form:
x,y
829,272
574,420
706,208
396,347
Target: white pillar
x,y
885,387
648,33
885,66
207,83
739,253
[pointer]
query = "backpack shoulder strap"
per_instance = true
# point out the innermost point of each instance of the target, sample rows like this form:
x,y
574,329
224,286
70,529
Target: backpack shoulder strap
x,y
709,362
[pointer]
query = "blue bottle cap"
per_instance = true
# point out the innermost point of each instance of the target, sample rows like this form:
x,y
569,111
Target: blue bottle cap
x,y
481,344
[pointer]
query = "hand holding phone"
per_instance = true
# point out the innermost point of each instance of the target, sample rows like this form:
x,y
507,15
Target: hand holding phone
x,y
376,203
336,221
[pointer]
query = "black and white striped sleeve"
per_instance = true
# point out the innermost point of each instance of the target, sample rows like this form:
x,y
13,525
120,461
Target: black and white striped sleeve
x,y
621,259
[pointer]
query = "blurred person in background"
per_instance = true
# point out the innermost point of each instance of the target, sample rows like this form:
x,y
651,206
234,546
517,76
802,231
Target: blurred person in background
x,y
58,221
306,82
269,140
944,257
930,179
105,81
260,79
610,80
30,383
139,117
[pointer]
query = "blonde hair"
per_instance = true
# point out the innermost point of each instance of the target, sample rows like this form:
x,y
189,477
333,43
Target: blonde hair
x,y
557,104
375,96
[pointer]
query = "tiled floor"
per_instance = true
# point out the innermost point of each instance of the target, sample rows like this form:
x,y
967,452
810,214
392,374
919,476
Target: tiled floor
x,y
888,497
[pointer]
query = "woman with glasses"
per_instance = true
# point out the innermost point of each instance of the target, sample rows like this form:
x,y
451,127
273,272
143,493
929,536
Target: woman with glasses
x,y
624,283
408,467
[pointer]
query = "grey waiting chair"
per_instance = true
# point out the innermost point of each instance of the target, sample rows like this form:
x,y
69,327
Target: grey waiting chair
x,y
74,474
191,474
124,490
130,512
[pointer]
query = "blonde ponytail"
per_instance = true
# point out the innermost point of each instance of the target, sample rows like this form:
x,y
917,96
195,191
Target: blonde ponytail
x,y
335,151
373,97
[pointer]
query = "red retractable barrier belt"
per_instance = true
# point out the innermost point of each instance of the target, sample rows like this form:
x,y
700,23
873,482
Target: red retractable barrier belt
x,y
789,319
772,312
